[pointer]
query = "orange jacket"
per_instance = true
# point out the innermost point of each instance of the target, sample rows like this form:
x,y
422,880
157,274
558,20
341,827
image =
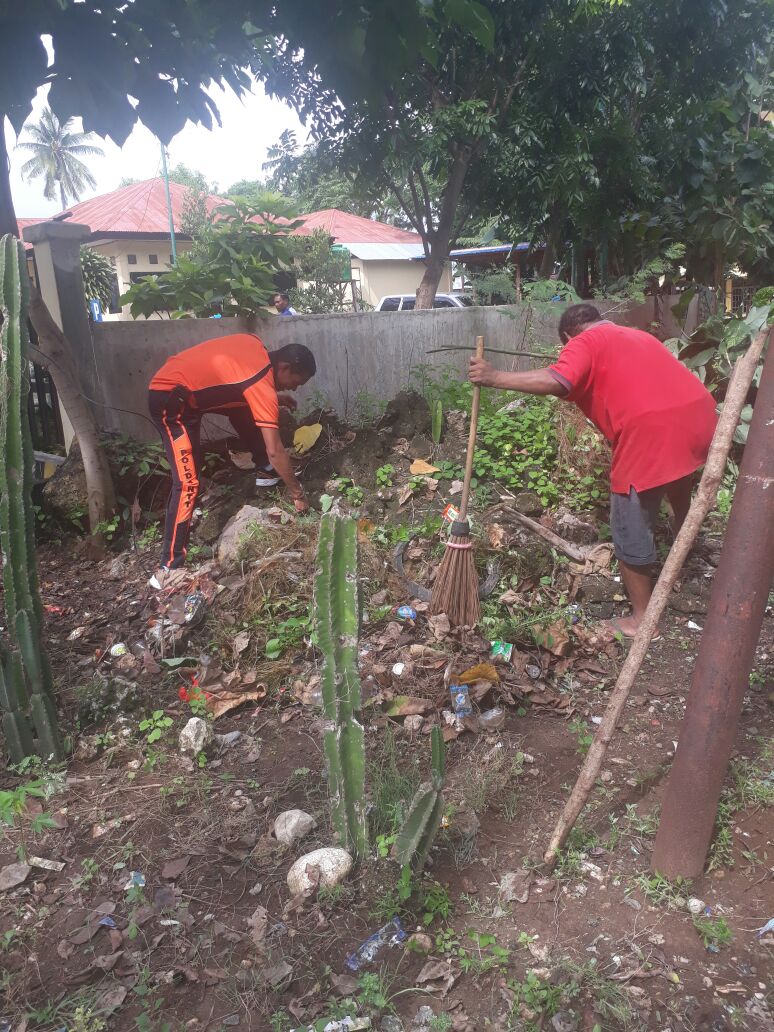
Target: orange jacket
x,y
224,373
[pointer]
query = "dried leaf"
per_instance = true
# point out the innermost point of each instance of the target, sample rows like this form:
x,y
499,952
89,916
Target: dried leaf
x,y
553,637
305,438
438,971
514,886
420,468
345,985
242,459
479,672
241,641
111,999
498,536
13,875
222,700
405,493
276,974
408,705
428,658
174,868
439,625
258,924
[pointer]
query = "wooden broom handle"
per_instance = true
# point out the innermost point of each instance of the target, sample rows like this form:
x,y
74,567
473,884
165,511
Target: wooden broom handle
x,y
471,439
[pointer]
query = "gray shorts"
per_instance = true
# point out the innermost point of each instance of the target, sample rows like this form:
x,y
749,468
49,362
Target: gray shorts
x,y
633,523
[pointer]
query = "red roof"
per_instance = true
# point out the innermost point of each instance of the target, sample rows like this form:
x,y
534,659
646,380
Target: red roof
x,y
352,229
139,209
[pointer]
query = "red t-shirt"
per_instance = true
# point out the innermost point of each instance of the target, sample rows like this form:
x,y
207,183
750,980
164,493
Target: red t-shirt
x,y
656,414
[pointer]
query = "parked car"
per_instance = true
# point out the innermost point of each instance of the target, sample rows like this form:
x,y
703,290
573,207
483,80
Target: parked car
x,y
406,302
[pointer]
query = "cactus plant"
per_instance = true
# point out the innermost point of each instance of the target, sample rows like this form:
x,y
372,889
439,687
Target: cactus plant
x,y
436,415
26,688
423,820
337,619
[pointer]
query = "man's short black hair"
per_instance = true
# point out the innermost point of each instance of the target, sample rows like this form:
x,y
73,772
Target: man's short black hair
x,y
298,357
282,294
576,316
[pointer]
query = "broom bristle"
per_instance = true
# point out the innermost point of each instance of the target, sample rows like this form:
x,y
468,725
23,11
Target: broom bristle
x,y
455,591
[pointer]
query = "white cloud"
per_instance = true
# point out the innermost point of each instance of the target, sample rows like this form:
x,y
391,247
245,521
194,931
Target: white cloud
x,y
234,151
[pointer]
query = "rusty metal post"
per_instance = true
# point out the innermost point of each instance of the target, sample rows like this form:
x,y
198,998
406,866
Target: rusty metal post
x,y
737,603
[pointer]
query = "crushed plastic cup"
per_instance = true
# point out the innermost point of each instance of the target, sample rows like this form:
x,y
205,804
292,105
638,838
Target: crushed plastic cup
x,y
119,649
390,934
194,607
492,719
573,612
501,650
533,671
406,613
136,881
460,700
398,669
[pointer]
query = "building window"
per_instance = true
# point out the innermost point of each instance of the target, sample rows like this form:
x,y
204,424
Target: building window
x,y
132,259
113,261
153,259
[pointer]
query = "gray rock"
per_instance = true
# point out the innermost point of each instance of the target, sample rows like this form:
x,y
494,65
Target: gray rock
x,y
238,528
563,1021
224,741
528,503
293,825
391,1023
195,737
423,1016
571,527
322,868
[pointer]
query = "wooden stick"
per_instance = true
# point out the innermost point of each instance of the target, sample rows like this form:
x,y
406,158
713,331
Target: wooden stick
x,y
476,404
578,555
712,476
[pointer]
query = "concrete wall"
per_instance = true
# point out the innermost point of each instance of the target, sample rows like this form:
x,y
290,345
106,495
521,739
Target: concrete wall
x,y
395,277
362,359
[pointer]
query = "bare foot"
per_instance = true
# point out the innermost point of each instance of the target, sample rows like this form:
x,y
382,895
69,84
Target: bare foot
x,y
625,626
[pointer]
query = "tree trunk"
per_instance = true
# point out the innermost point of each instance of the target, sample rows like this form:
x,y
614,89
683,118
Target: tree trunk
x,y
54,353
553,231
8,222
439,241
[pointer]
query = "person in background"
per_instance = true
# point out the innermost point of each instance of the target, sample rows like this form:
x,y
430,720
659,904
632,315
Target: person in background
x,y
236,377
658,417
282,303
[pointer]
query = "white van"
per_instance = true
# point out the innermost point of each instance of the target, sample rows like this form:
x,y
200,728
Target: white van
x,y
406,302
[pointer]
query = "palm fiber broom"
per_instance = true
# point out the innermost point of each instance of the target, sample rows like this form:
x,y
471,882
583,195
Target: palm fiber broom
x,y
455,591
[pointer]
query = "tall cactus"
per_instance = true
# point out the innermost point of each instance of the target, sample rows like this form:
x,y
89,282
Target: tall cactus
x,y
337,618
416,837
26,686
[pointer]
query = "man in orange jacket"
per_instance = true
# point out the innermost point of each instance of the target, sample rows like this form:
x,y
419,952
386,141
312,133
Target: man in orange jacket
x,y
236,377
658,417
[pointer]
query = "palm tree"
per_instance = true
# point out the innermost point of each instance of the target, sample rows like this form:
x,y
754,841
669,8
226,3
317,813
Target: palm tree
x,y
55,149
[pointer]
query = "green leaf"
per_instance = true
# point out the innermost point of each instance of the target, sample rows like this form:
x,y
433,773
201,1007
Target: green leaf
x,y
470,15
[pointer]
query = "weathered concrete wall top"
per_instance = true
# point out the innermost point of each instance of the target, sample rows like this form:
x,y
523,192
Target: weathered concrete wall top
x,y
362,359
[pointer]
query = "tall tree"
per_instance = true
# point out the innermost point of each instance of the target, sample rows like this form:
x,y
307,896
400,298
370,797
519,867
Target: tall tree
x,y
57,149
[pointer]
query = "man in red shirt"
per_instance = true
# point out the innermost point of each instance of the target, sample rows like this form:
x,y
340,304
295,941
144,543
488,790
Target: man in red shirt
x,y
232,376
658,417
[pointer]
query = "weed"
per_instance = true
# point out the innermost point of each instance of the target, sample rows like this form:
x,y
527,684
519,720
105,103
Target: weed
x,y
713,933
486,783
287,634
372,991
440,1023
541,998
280,1021
393,899
661,891
150,537
486,955
435,903
155,726
384,475
570,859
349,490
89,871
584,736
85,1020
13,803
610,999
393,784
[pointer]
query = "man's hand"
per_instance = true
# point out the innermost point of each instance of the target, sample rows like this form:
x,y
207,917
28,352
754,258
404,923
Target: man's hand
x,y
482,373
301,504
287,401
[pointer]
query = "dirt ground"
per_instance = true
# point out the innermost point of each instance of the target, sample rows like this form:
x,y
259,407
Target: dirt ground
x,y
171,910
